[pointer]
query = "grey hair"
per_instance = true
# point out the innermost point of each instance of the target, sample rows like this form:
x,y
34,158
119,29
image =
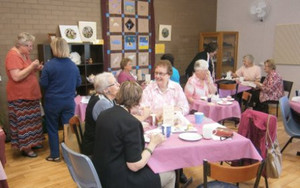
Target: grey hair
x,y
23,38
101,81
249,57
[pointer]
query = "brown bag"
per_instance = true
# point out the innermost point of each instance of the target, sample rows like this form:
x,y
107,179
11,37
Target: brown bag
x,y
223,132
274,158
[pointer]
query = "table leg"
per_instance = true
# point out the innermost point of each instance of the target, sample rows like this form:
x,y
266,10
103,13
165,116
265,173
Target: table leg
x,y
177,183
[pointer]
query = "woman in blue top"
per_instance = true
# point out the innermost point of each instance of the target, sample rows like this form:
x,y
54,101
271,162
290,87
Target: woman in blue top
x,y
60,78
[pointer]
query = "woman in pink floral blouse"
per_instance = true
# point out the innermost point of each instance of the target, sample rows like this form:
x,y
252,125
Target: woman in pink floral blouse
x,y
272,87
200,84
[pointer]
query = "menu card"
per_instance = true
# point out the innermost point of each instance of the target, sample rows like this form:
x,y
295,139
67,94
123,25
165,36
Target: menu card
x,y
168,115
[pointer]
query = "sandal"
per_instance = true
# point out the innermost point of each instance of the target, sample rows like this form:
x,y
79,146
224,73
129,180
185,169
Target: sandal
x,y
53,159
30,154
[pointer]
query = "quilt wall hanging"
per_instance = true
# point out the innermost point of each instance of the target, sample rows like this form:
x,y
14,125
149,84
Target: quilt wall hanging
x,y
128,31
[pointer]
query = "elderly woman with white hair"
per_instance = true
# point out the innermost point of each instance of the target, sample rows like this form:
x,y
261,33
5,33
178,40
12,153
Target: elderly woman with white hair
x,y
249,70
106,87
200,84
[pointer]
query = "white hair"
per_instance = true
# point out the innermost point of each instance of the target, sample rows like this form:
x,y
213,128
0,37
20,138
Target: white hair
x,y
201,65
101,81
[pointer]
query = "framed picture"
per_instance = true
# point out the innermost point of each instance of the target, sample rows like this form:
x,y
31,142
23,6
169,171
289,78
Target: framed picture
x,y
51,36
88,31
165,32
70,33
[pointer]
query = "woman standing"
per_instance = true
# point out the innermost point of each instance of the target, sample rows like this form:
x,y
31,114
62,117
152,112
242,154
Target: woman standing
x,y
23,95
120,156
125,75
60,78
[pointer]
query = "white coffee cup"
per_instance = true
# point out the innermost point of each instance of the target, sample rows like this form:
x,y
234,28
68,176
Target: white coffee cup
x,y
207,131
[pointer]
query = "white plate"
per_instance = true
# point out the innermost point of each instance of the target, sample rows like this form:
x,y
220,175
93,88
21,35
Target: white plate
x,y
190,136
225,103
230,99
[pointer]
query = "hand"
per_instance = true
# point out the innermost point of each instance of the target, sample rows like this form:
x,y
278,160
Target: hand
x,y
157,139
146,112
35,64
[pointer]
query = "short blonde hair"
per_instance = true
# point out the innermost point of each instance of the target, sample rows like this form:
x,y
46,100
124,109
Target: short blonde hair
x,y
129,95
201,65
124,62
270,63
23,38
164,63
101,81
60,47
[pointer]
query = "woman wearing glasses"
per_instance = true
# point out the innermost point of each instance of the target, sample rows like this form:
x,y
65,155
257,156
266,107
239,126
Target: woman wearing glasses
x,y
23,95
106,88
164,91
60,78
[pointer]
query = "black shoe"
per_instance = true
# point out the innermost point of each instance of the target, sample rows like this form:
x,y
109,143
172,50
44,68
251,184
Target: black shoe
x,y
182,178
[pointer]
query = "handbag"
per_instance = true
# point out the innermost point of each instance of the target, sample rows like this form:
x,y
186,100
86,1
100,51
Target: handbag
x,y
274,158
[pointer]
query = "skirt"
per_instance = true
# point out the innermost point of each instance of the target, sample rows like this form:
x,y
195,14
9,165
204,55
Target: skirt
x,y
25,124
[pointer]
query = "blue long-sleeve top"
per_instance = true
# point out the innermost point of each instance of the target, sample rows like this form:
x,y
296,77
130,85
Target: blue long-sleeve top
x,y
60,78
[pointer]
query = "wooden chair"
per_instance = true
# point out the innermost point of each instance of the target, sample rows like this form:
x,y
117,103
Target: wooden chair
x,y
224,86
75,126
287,87
227,175
246,98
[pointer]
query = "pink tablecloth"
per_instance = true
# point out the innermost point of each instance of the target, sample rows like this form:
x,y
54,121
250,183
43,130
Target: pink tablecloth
x,y
176,153
241,88
80,108
295,105
217,112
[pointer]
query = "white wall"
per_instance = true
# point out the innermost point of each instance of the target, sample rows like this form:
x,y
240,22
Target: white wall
x,y
255,37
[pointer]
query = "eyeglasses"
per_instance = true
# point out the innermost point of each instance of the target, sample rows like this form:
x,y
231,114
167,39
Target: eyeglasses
x,y
115,83
28,45
160,74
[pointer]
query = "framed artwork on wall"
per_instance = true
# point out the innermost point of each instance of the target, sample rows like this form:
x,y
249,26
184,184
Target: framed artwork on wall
x,y
70,33
88,31
165,32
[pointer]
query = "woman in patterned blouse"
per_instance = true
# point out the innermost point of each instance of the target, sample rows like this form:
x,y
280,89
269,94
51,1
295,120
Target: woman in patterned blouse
x,y
272,87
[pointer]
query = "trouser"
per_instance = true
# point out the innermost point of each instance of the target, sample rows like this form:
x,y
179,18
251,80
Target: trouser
x,y
167,179
55,111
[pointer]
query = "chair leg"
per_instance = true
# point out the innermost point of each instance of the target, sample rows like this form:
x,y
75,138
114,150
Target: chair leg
x,y
266,182
289,141
276,110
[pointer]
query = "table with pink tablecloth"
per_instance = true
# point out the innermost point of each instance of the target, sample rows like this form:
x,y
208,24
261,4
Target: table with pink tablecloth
x,y
80,108
216,111
175,153
241,88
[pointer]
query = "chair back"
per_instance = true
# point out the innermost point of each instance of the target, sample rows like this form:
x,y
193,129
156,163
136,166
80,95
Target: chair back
x,y
287,87
83,170
232,174
228,86
246,98
290,125
75,126
297,92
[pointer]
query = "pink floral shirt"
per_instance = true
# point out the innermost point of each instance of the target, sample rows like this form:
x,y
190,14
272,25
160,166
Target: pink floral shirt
x,y
272,88
154,98
196,89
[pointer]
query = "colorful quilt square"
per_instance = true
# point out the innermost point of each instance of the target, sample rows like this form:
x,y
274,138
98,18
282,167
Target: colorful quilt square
x,y
115,59
130,42
129,7
115,24
116,42
114,6
143,9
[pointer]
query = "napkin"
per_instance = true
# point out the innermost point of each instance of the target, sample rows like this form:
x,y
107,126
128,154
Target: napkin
x,y
296,99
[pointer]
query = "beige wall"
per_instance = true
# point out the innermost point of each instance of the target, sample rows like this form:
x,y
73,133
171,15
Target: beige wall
x,y
257,37
40,17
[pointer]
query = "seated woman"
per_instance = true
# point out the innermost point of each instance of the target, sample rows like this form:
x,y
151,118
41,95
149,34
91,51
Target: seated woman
x,y
164,91
120,155
270,89
249,71
106,88
125,75
200,84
